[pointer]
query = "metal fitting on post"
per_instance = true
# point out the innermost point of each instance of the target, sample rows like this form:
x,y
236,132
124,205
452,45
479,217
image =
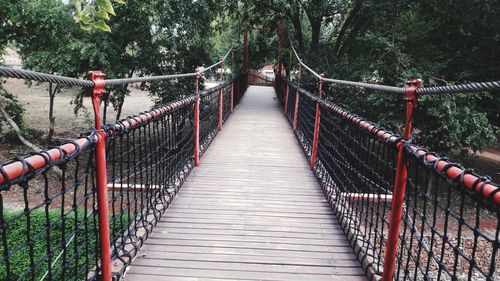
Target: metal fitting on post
x,y
410,92
97,92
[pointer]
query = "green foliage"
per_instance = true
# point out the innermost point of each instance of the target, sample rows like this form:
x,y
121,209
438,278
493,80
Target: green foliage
x,y
144,42
19,252
95,15
82,247
12,107
390,42
385,42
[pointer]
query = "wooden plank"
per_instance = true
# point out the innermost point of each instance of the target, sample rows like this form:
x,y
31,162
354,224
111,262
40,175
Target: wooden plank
x,y
251,211
241,226
252,267
339,241
166,249
238,274
163,274
255,222
255,212
300,261
252,245
256,233
292,210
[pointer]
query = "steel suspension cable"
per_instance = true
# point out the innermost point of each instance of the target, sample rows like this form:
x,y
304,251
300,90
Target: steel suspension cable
x,y
43,77
449,89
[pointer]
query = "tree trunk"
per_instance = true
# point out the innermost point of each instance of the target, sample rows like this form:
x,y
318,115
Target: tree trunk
x,y
105,109
52,119
18,132
297,26
315,32
345,26
120,105
122,100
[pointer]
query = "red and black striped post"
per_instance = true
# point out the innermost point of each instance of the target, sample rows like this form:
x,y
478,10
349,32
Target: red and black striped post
x,y
296,112
314,151
400,184
197,123
101,175
221,97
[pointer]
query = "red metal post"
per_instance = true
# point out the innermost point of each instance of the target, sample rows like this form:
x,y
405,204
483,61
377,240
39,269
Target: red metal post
x,y
285,106
221,97
398,194
101,175
296,113
197,124
314,151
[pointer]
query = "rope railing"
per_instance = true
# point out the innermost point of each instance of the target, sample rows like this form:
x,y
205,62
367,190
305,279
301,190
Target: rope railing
x,y
116,182
450,216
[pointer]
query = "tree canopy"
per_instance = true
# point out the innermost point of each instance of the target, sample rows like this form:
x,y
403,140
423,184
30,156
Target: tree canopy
x,y
383,41
390,42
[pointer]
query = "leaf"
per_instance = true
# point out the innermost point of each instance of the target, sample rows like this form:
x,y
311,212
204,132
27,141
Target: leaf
x,y
78,5
84,19
85,26
102,26
101,14
119,1
106,6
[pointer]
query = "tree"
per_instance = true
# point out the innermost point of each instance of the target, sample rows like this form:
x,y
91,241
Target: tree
x,y
12,112
46,40
389,42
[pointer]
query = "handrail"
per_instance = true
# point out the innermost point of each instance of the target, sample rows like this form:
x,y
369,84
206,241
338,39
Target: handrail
x,y
361,167
157,141
478,184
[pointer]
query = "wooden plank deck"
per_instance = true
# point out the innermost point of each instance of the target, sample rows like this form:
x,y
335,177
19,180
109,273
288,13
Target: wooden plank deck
x,y
252,211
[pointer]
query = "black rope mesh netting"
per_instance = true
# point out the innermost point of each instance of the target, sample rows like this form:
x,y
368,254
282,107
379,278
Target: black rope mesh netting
x,y
305,122
54,233
226,101
448,232
290,106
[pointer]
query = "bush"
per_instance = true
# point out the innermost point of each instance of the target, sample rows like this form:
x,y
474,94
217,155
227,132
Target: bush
x,y
80,241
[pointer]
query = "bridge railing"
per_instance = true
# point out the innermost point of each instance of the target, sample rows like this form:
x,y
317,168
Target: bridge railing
x,y
89,204
450,221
